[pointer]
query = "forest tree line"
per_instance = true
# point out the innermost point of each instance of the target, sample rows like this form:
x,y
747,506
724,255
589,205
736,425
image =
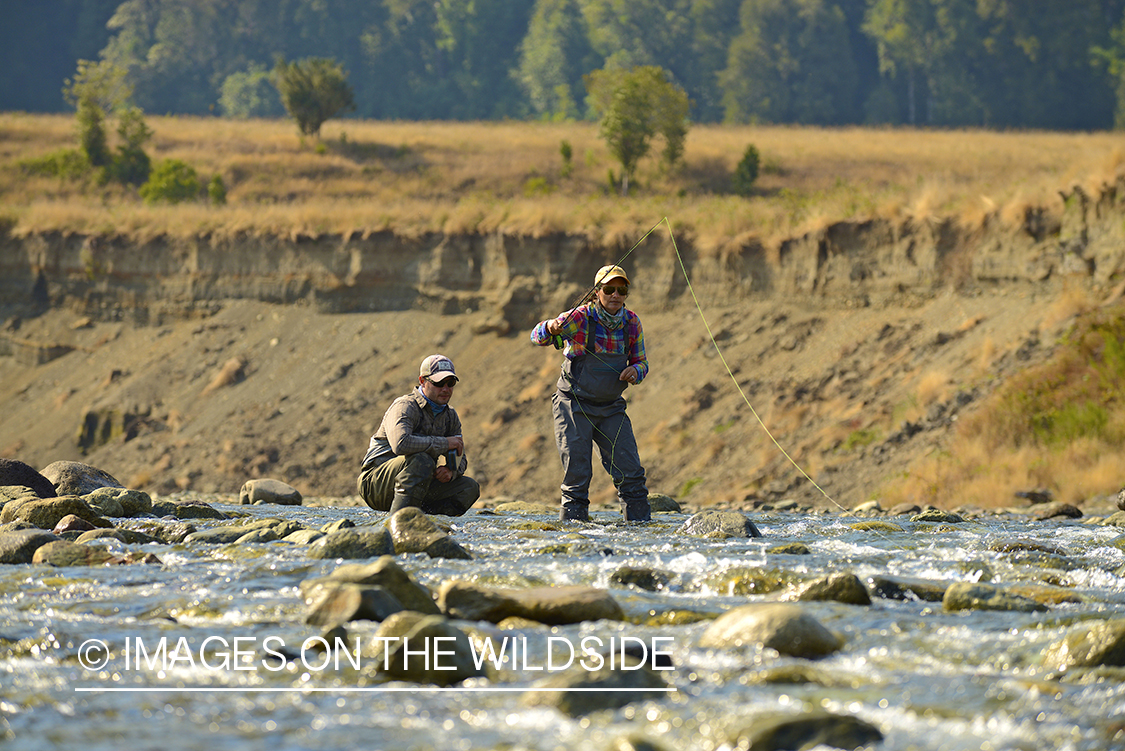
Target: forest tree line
x,y
1052,64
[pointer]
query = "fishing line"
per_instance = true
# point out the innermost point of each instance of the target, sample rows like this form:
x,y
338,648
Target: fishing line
x,y
723,359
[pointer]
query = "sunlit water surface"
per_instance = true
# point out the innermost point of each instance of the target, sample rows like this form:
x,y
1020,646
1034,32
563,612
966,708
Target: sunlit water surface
x,y
928,679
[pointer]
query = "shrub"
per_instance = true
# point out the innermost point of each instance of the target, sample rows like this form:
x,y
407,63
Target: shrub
x,y
64,163
746,173
172,181
217,191
567,155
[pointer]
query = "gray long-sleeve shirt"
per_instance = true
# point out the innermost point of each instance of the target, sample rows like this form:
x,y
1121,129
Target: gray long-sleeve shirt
x,y
410,427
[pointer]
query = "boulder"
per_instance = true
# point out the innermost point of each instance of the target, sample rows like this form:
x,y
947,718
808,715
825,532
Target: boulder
x,y
658,502
979,596
187,509
414,532
268,491
580,691
19,546
386,573
1088,646
785,627
342,602
431,650
838,587
359,542
46,513
816,729
550,605
131,502
717,523
75,478
63,553
127,536
14,472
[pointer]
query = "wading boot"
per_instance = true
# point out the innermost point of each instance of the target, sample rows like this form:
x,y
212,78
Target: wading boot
x,y
575,512
638,511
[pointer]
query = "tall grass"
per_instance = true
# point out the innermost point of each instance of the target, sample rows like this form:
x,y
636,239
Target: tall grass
x,y
367,176
1059,425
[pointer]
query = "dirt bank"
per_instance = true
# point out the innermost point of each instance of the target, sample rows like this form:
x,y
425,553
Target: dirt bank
x,y
177,364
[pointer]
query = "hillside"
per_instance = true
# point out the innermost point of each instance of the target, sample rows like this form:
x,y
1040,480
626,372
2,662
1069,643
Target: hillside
x,y
877,289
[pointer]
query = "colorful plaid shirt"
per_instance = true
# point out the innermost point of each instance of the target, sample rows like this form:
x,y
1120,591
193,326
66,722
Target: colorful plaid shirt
x,y
579,324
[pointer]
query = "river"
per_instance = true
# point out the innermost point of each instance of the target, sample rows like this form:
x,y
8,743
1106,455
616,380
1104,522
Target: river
x,y
925,677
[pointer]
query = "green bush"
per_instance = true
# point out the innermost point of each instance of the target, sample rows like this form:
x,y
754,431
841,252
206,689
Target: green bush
x,y
567,154
217,191
68,164
746,173
173,181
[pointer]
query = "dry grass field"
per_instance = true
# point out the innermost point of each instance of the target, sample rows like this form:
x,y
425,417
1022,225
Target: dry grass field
x,y
411,177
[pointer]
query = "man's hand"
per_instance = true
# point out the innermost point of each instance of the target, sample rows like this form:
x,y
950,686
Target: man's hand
x,y
456,443
553,327
629,375
443,474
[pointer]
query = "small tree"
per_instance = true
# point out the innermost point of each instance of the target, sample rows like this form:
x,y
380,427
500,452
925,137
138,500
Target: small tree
x,y
635,106
746,173
248,94
97,88
132,164
313,90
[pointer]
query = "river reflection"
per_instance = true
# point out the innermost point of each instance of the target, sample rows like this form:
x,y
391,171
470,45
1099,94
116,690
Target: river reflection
x,y
927,678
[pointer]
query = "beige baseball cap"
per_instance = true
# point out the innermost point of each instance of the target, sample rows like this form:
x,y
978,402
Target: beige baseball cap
x,y
605,273
437,368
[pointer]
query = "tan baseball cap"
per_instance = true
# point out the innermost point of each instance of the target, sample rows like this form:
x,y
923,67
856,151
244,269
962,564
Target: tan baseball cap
x,y
437,368
605,273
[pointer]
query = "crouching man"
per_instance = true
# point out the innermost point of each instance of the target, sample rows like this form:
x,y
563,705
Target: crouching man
x,y
417,456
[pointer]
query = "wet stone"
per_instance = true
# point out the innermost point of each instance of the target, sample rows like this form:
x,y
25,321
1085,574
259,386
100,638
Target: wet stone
x,y
131,502
46,513
1101,643
790,548
658,502
19,546
840,587
414,532
714,521
787,628
63,553
937,516
403,659
1058,509
187,509
641,578
551,605
903,588
386,573
811,730
359,542
643,684
978,596
303,536
127,536
343,602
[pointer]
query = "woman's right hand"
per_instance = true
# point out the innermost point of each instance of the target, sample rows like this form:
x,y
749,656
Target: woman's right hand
x,y
553,326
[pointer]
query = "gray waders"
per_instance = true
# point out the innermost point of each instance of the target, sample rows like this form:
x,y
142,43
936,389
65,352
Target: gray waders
x,y
588,408
409,481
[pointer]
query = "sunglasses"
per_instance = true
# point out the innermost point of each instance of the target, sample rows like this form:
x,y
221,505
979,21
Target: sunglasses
x,y
447,383
620,289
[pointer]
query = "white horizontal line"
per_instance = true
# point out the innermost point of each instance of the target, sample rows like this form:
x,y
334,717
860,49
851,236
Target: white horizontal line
x,y
352,690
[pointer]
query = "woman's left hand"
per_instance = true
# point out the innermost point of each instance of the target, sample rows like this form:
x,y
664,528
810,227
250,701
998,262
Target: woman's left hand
x,y
629,375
